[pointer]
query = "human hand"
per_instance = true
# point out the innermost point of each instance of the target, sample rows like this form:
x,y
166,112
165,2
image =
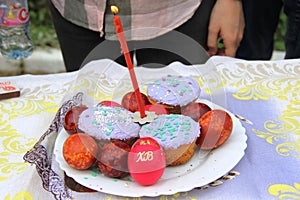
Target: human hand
x,y
226,22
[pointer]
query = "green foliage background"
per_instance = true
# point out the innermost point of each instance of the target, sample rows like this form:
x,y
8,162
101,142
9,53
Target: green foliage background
x,y
41,29
43,33
280,33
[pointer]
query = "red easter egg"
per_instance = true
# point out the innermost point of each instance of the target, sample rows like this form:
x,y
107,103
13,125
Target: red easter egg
x,y
110,103
146,161
129,101
195,110
158,109
80,151
112,159
216,127
71,119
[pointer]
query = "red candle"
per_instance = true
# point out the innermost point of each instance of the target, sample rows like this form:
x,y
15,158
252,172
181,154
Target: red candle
x,y
125,51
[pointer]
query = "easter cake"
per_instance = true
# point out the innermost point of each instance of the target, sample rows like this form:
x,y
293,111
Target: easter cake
x,y
176,134
173,92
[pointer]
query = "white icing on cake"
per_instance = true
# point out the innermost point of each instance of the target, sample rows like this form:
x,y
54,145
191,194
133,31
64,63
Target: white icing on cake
x,y
108,122
171,131
174,90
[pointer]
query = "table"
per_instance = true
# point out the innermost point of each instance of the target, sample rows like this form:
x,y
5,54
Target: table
x,y
265,93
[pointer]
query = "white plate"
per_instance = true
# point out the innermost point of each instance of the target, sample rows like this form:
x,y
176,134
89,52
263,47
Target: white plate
x,y
203,168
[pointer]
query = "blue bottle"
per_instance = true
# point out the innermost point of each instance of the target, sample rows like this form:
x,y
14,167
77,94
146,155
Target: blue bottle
x,y
15,41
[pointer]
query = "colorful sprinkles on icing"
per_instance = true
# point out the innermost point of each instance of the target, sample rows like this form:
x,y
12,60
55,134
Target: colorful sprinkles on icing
x,y
174,90
171,131
106,122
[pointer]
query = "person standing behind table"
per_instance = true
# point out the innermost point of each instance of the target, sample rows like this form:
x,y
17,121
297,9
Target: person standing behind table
x,y
261,20
82,25
292,37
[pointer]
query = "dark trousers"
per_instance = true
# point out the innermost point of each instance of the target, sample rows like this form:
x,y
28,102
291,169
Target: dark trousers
x,y
292,37
261,20
186,44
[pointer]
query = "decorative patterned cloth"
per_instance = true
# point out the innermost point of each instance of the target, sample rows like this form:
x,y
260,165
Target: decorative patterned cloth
x,y
264,95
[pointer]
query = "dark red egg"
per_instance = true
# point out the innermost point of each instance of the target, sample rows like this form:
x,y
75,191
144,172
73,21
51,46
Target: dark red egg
x,y
146,161
71,119
195,110
113,158
129,101
216,127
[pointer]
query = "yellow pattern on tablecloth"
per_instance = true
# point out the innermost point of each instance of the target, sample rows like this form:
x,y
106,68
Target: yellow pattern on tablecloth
x,y
35,101
265,81
13,144
268,80
283,191
23,195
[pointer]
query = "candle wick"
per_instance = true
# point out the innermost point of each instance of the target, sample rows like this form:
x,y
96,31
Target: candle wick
x,y
114,9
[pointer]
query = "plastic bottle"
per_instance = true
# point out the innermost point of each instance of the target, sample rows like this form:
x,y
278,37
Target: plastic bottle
x,y
15,42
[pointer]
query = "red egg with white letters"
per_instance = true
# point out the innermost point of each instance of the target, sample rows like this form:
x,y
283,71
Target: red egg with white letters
x,y
146,161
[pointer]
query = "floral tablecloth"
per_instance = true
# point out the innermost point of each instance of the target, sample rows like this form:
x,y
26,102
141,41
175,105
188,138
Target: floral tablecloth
x,y
264,95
